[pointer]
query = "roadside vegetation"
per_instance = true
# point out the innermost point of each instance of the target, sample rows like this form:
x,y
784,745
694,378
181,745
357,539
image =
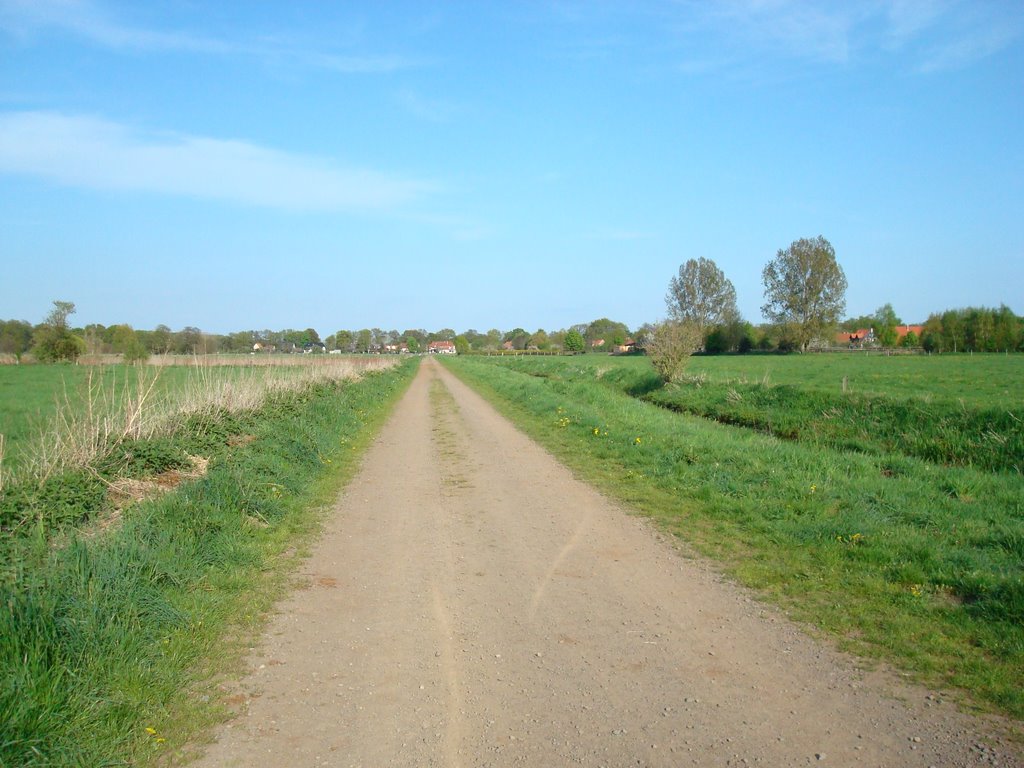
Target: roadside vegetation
x,y
893,523
59,418
131,581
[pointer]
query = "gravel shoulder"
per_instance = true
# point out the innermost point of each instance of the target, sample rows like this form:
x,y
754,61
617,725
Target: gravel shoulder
x,y
472,604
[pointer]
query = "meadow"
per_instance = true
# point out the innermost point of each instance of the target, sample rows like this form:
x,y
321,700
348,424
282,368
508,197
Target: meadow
x,y
886,538
977,380
120,614
58,415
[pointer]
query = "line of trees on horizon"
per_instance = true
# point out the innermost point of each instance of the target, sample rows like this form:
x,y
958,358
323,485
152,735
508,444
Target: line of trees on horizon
x,y
805,296
971,329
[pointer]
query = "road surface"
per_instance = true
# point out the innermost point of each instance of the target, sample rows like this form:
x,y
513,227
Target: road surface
x,y
472,604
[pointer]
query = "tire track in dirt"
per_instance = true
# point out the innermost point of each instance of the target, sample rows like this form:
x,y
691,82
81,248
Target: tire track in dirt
x,y
471,604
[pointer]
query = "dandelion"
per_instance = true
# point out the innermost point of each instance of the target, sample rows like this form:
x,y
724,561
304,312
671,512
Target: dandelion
x,y
814,488
597,431
636,441
151,731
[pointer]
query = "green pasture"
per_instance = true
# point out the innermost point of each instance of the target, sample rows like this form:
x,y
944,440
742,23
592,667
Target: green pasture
x,y
29,395
990,380
983,432
917,560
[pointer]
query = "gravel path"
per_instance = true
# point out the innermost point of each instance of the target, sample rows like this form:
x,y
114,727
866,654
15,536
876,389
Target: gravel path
x,y
472,604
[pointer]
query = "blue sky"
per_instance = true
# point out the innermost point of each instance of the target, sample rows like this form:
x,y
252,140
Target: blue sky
x,y
477,165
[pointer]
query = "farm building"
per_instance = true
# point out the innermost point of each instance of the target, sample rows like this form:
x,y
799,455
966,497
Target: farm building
x,y
441,347
903,330
862,337
865,337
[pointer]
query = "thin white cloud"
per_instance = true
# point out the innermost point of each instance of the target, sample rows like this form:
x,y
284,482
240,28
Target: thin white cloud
x,y
960,53
428,109
91,22
973,38
800,29
355,65
93,153
908,19
935,34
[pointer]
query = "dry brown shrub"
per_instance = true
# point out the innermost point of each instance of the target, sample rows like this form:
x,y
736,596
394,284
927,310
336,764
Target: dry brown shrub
x,y
84,428
670,347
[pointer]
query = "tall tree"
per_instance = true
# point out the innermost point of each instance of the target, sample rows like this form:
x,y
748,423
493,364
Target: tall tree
x,y
343,340
126,341
858,323
610,332
15,336
574,341
416,333
160,341
53,340
519,338
885,323
701,296
189,341
805,289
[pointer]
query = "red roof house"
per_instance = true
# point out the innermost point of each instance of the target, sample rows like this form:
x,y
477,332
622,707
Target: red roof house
x,y
441,348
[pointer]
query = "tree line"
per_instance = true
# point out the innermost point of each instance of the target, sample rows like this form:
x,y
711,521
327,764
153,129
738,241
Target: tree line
x,y
55,339
805,296
804,290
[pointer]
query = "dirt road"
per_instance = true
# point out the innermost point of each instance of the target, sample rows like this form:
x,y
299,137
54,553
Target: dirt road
x,y
471,604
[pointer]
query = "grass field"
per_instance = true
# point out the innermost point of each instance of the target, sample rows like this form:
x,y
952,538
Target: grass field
x,y
117,623
977,380
28,396
916,560
41,405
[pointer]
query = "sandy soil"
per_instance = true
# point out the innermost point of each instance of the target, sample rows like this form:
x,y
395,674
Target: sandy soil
x,y
471,604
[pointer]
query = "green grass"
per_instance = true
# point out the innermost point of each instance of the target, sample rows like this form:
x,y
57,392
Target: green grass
x,y
898,557
940,430
112,640
982,381
29,396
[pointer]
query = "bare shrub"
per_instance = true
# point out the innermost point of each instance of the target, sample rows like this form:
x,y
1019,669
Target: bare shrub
x,y
109,412
670,347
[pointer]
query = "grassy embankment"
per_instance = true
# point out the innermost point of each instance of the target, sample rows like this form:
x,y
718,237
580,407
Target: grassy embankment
x,y
115,624
892,540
